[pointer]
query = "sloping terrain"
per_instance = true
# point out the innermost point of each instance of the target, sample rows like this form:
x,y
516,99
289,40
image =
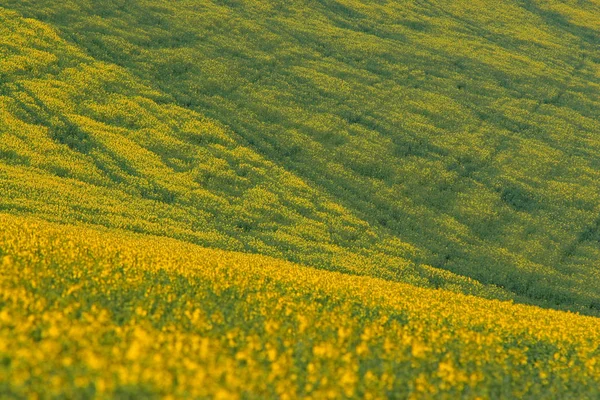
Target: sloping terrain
x,y
85,141
381,137
107,313
299,199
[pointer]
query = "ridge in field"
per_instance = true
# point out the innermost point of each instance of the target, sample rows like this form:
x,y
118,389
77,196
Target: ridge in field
x,y
448,143
117,314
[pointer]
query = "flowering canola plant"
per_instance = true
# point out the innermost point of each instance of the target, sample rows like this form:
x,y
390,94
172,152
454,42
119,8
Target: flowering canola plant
x,y
87,312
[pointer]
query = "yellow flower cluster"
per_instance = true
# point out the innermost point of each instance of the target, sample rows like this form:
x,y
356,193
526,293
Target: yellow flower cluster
x,y
86,312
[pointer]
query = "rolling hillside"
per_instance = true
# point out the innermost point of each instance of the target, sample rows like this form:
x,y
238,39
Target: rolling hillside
x,y
96,313
86,141
443,154
335,134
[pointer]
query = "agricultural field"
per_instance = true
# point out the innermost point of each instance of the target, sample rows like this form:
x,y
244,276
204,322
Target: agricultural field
x,y
89,312
299,199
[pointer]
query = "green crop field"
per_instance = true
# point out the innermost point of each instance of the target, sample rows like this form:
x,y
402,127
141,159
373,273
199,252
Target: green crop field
x,y
299,199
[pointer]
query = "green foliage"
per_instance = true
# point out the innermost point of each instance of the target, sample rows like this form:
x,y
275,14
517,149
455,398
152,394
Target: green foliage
x,y
424,142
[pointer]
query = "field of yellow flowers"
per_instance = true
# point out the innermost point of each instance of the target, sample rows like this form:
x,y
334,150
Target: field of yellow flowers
x,y
91,312
414,142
